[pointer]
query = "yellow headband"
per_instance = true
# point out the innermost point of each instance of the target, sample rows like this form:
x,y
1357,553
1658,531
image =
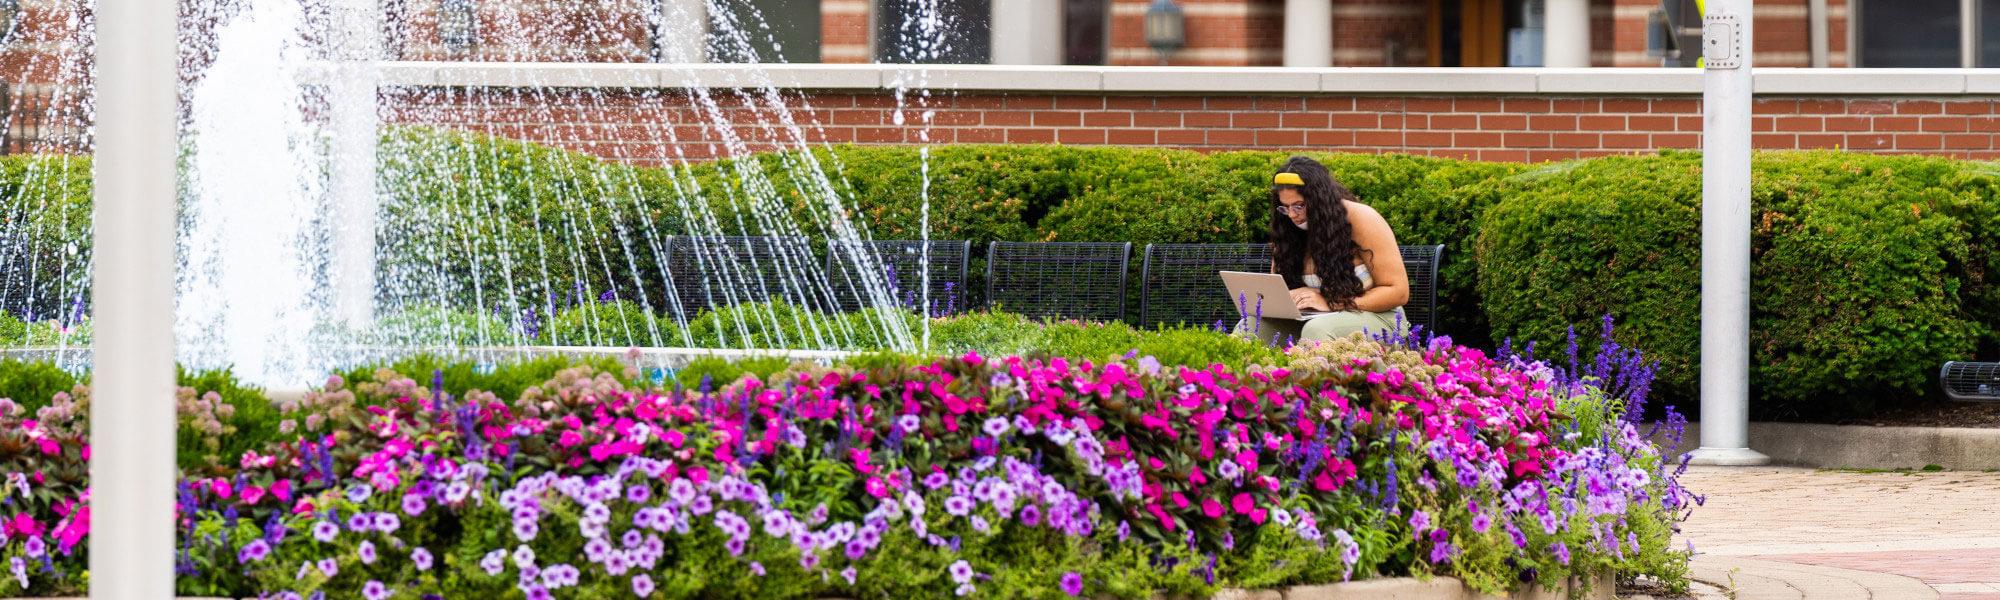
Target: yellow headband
x,y
1287,179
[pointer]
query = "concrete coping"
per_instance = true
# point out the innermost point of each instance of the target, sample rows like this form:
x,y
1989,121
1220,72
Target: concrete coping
x,y
1173,80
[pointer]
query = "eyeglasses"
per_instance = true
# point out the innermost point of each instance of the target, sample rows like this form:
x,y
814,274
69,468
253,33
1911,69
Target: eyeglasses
x,y
1291,210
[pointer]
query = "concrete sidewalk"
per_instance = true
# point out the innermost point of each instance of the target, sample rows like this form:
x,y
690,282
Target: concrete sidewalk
x,y
1810,534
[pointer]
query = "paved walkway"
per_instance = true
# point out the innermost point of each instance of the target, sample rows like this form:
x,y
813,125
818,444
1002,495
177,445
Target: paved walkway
x,y
1769,533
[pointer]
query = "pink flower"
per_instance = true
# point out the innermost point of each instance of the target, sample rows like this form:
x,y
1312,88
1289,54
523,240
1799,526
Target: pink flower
x,y
1243,504
253,494
282,489
221,488
570,439
1211,508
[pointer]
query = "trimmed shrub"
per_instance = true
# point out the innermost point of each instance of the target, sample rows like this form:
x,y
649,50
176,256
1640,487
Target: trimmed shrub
x,y
1560,250
1857,270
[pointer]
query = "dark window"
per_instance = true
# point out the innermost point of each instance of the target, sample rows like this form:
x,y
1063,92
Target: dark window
x,y
1086,31
959,34
769,31
1989,33
1907,33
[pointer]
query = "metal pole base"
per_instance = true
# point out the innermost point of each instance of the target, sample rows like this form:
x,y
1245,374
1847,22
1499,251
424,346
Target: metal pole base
x,y
1729,457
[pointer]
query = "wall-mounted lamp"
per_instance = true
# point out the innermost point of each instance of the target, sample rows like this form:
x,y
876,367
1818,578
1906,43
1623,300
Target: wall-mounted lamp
x,y
458,25
1166,28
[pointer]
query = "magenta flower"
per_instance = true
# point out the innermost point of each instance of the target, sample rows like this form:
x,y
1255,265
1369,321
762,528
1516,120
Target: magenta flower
x,y
1072,584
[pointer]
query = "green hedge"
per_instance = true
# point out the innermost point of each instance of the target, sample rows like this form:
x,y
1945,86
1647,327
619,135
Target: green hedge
x,y
1869,270
1859,270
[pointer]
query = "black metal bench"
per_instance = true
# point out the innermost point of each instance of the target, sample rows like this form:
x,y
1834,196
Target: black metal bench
x,y
1971,381
718,271
1420,264
903,262
1064,280
1181,286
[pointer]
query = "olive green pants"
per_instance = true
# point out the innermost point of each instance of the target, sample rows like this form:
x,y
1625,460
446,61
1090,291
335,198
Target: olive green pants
x,y
1323,327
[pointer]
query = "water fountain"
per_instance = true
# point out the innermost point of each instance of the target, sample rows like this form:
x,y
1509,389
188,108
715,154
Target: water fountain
x,y
297,159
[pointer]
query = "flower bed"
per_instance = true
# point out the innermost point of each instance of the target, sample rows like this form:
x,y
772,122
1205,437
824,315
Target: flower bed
x,y
969,475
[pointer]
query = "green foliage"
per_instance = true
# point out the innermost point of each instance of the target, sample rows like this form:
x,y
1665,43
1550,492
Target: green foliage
x,y
31,384
1865,270
1568,243
615,324
504,379
220,419
718,372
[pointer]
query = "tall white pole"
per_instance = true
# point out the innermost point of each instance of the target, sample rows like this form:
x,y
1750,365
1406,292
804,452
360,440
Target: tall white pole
x,y
1027,32
1309,33
680,31
356,46
1725,237
132,407
1566,34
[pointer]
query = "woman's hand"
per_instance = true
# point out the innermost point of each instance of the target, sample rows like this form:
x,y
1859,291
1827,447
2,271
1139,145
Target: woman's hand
x,y
1309,299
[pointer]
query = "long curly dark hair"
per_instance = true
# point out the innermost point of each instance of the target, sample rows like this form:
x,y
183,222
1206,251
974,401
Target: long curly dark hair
x,y
1330,239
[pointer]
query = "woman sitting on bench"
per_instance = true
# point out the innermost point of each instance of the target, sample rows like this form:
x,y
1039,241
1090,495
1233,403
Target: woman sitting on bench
x,y
1336,254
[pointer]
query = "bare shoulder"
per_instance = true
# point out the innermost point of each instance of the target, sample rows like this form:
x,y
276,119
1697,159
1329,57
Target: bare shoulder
x,y
1362,215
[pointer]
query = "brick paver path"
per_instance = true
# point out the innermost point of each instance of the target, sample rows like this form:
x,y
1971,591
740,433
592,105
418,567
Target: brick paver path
x,y
1836,530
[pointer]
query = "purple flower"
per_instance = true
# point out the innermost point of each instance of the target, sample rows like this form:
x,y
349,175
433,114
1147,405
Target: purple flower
x,y
632,538
734,546
1481,522
1561,551
374,590
961,572
808,561
936,480
964,589
329,567
1072,583
387,522
360,522
848,574
638,494
367,552
359,493
596,550
325,532
856,550
536,592
256,551
757,567
494,562
642,585
996,426
958,505
1420,521
413,505
422,558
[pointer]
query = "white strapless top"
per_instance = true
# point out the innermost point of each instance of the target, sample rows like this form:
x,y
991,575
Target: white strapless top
x,y
1360,271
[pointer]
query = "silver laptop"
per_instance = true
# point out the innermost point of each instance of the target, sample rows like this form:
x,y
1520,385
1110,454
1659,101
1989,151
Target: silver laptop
x,y
1263,293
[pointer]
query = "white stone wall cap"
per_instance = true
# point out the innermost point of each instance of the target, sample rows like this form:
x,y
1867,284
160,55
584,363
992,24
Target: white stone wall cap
x,y
1190,80
1866,82
991,77
1247,80
1619,81
1379,80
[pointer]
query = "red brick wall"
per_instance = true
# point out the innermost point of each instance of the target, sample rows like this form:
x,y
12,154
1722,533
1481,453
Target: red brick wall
x,y
1514,128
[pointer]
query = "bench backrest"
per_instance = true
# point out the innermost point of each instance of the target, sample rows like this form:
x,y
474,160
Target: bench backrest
x,y
1181,287
903,262
719,271
1069,280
